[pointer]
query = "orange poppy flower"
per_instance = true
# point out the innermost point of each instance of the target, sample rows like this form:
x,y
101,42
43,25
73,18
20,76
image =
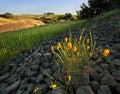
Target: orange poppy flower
x,y
106,52
69,46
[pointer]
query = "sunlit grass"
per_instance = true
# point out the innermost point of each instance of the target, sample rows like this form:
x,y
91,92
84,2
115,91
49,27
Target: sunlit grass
x,y
12,43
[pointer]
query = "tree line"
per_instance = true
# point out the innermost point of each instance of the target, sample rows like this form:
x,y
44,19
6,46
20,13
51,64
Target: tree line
x,y
95,7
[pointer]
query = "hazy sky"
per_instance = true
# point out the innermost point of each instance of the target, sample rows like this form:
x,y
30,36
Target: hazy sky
x,y
40,6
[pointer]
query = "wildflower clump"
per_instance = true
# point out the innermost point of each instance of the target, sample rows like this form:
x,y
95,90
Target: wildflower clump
x,y
74,55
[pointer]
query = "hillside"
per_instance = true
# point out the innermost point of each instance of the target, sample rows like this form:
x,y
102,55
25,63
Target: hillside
x,y
17,24
37,67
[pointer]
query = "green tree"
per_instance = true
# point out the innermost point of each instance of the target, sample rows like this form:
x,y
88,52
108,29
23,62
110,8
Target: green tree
x,y
8,15
95,7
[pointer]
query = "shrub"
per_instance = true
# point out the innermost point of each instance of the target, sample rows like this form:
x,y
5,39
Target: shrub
x,y
8,15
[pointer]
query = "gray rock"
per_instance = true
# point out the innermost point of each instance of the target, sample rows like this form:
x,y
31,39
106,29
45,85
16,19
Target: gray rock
x,y
35,56
34,67
47,71
84,90
23,82
82,80
116,62
47,65
95,85
111,67
25,92
13,78
54,67
44,88
25,86
104,66
97,68
4,76
58,91
33,79
94,75
48,81
104,73
109,80
12,87
118,88
29,73
116,75
31,87
20,91
18,71
104,89
3,87
47,57
40,78
49,92
5,69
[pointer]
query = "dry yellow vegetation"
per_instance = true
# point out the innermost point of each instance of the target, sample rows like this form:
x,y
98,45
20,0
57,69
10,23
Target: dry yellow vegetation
x,y
16,24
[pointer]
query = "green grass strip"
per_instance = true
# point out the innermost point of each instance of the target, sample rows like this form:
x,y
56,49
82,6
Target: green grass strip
x,y
12,43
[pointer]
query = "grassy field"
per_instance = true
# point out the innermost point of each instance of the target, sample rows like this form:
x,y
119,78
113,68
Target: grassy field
x,y
12,43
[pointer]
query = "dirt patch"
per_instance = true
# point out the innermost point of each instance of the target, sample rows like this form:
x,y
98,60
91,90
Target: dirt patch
x,y
12,24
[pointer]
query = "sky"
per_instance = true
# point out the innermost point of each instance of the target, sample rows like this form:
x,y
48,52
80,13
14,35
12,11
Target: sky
x,y
40,6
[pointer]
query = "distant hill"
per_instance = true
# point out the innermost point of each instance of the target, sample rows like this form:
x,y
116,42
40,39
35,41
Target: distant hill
x,y
17,24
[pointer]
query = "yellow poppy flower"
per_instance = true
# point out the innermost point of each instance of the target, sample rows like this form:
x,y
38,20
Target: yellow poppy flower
x,y
59,45
36,89
78,42
91,55
52,48
80,38
69,78
53,86
88,40
88,48
74,49
66,39
101,50
106,52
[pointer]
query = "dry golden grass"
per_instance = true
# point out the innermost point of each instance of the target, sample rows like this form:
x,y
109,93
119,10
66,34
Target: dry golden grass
x,y
16,24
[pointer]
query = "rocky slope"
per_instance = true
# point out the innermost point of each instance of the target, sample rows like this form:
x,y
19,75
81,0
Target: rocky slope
x,y
21,75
